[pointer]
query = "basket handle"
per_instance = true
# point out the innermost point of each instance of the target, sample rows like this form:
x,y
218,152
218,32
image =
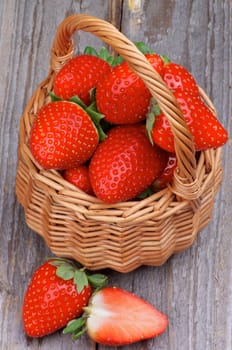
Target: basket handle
x,y
185,180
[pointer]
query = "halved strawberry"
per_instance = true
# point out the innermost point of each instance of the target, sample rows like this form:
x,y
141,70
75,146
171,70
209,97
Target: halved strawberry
x,y
117,317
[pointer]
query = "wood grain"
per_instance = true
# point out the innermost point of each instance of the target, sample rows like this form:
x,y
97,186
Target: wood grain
x,y
193,288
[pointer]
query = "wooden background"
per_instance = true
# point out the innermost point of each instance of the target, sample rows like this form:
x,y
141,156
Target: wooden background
x,y
193,288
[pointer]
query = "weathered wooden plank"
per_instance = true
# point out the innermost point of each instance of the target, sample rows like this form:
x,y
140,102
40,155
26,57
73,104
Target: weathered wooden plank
x,y
193,288
27,31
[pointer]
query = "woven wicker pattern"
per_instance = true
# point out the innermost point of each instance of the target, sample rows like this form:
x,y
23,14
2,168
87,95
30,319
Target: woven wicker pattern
x,y
126,235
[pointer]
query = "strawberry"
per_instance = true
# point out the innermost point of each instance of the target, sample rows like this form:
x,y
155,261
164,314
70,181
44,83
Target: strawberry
x,y
62,136
125,164
178,78
205,128
117,317
56,294
122,96
79,177
79,76
167,173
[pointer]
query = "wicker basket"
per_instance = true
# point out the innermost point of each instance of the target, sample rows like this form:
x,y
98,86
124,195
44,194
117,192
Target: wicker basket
x,y
126,235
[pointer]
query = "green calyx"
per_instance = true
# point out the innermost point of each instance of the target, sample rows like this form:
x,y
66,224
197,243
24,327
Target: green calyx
x,y
114,60
144,48
103,54
165,59
154,110
67,269
146,193
76,327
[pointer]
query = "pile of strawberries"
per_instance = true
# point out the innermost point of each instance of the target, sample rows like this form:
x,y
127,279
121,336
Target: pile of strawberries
x,y
106,134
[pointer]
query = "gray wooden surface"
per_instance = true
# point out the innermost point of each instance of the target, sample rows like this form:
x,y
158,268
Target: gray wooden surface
x,y
193,288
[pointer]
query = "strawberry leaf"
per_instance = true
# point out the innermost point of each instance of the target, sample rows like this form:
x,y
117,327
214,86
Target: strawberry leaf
x,y
56,261
79,334
78,101
74,325
96,118
80,280
154,110
150,120
104,54
145,49
68,269
98,280
165,59
55,98
89,50
92,93
115,60
65,271
74,99
147,193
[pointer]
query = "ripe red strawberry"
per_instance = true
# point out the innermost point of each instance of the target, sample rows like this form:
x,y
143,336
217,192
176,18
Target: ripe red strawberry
x,y
79,76
62,136
167,173
57,293
178,78
117,317
79,177
51,302
206,129
122,96
125,164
